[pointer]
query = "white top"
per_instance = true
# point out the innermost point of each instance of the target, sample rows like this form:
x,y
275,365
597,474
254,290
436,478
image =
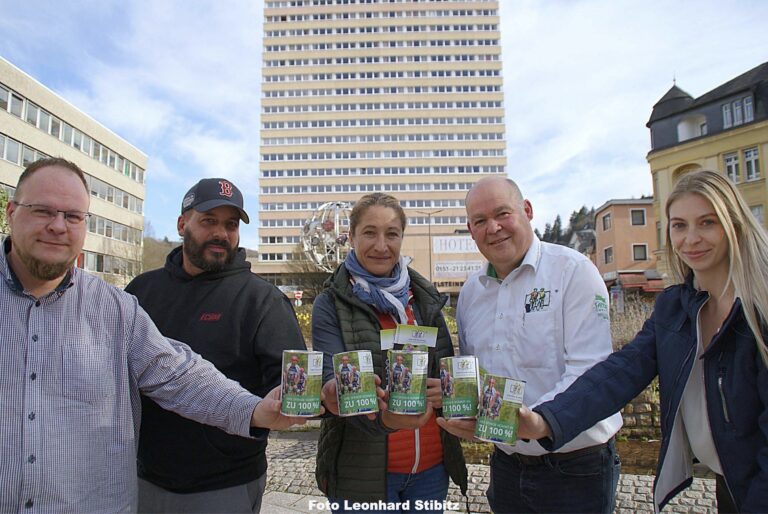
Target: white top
x,y
546,323
693,409
690,427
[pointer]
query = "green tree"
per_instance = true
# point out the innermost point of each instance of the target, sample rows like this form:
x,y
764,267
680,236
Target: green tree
x,y
557,231
4,228
583,218
547,233
579,220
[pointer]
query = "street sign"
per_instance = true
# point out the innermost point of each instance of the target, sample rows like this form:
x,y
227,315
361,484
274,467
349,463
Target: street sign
x,y
617,298
298,294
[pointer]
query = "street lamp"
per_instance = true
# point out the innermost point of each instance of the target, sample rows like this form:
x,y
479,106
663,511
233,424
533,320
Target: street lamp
x,y
429,215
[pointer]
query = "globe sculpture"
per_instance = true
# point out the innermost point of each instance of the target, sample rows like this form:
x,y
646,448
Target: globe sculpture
x,y
325,236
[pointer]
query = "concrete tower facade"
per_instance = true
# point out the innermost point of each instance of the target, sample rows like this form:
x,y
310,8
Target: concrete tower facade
x,y
376,95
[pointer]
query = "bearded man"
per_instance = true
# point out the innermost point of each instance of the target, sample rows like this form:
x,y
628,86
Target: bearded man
x,y
207,296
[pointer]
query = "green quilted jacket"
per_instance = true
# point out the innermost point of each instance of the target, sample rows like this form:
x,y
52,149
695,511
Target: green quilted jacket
x,y
351,463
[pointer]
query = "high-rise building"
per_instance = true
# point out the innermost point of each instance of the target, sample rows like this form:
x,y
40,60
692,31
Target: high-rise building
x,y
725,129
36,122
359,96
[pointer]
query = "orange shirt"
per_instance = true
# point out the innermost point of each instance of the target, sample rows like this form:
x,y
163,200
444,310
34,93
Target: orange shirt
x,y
408,449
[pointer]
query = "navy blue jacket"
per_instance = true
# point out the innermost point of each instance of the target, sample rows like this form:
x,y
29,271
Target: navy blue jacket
x,y
735,380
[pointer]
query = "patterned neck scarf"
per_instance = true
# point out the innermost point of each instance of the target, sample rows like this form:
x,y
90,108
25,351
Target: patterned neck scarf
x,y
386,294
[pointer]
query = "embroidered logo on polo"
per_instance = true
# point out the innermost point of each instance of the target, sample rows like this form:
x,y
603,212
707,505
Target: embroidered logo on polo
x,y
226,188
601,306
210,316
537,300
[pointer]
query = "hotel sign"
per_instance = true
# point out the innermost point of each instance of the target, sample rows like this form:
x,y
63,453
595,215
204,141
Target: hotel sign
x,y
453,244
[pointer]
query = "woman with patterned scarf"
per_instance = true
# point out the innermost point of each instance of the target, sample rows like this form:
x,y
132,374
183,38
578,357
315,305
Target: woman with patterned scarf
x,y
392,460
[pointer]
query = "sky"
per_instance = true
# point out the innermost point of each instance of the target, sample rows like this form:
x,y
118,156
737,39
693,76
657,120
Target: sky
x,y
180,80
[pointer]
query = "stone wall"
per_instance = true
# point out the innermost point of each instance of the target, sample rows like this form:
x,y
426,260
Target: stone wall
x,y
642,419
641,416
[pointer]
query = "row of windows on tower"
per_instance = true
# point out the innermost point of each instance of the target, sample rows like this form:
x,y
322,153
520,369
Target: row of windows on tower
x,y
386,74
376,29
370,14
366,45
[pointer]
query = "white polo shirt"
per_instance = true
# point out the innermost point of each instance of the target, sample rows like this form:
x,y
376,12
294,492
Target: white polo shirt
x,y
546,323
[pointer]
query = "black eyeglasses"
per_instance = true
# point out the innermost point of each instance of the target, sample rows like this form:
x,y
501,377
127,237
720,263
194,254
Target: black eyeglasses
x,y
48,214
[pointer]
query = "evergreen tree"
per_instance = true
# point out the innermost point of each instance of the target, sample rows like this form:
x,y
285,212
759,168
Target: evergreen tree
x,y
557,230
579,220
583,218
547,233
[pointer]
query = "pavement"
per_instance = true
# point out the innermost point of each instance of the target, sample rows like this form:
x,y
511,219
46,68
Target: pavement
x,y
291,486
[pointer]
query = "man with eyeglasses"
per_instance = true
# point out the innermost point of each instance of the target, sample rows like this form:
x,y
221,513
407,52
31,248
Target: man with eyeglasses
x,y
76,352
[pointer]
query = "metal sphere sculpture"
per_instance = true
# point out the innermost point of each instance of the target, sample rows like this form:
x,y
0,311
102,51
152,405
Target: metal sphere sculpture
x,y
325,236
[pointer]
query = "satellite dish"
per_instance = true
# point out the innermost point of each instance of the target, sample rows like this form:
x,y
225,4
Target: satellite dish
x,y
325,236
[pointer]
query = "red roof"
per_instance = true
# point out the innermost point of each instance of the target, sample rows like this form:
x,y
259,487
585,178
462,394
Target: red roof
x,y
639,281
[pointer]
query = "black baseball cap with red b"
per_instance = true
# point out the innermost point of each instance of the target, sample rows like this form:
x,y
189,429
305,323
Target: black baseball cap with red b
x,y
210,193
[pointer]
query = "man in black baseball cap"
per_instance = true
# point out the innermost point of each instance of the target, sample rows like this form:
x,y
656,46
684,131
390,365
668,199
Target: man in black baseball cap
x,y
207,296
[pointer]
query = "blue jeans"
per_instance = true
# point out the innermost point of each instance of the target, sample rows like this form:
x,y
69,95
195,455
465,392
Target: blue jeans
x,y
584,482
430,484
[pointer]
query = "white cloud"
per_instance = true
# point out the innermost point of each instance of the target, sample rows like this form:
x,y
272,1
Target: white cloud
x,y
181,81
581,77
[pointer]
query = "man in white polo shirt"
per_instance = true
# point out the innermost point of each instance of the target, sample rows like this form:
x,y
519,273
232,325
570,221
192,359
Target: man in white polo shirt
x,y
537,312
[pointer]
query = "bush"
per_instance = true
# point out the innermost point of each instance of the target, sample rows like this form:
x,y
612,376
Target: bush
x,y
449,313
304,316
624,326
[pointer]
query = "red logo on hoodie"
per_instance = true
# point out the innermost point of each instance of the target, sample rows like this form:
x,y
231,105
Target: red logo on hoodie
x,y
210,316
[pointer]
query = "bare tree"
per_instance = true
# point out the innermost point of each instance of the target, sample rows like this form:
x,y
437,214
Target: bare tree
x,y
118,262
155,252
307,275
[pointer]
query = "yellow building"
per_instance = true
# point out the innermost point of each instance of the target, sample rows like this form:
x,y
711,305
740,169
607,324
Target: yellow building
x,y
370,95
725,129
34,123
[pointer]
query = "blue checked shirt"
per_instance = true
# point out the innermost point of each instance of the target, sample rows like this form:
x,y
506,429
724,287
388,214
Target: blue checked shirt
x,y
72,365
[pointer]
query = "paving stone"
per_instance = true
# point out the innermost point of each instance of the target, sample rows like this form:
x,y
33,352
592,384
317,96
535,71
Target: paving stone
x,y
292,470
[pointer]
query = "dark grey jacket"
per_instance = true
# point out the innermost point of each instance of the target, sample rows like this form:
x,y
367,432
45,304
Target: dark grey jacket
x,y
352,460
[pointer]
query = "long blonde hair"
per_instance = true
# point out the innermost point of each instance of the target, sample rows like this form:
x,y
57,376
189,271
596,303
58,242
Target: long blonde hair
x,y
747,246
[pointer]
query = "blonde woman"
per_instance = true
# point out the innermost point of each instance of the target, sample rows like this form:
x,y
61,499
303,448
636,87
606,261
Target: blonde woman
x,y
705,341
